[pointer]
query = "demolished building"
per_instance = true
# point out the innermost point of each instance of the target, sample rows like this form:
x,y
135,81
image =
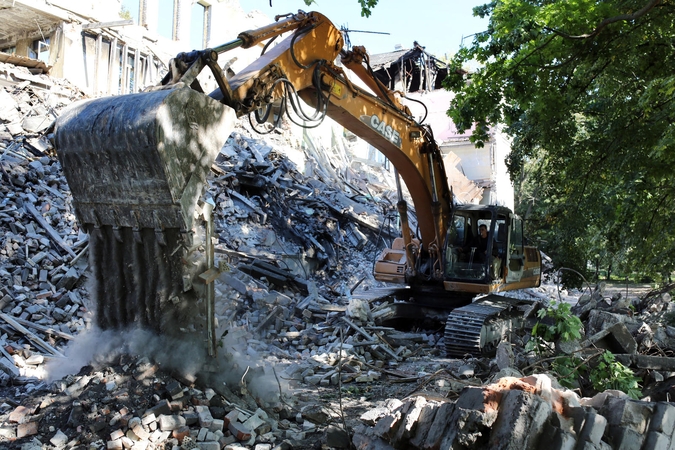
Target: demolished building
x,y
477,174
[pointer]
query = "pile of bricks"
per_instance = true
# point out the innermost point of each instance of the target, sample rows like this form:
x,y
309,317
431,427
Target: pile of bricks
x,y
134,404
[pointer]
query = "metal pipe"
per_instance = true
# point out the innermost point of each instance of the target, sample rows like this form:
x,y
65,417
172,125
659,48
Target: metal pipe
x,y
210,287
226,47
402,208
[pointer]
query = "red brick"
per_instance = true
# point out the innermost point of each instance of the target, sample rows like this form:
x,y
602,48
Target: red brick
x,y
19,415
230,417
26,429
239,431
180,433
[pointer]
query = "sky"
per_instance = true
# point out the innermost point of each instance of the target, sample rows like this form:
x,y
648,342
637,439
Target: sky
x,y
437,25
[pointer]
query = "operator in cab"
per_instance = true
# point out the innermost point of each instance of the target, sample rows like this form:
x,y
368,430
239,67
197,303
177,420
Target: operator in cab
x,y
481,244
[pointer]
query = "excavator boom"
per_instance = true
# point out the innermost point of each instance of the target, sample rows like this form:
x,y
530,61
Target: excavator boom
x,y
137,164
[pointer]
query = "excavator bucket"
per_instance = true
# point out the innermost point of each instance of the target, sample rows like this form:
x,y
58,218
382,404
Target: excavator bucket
x,y
140,160
136,166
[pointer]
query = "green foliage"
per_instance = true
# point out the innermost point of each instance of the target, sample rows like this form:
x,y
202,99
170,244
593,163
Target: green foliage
x,y
568,369
611,374
586,91
366,6
125,13
566,326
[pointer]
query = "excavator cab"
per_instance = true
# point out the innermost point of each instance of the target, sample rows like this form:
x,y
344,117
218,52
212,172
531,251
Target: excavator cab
x,y
485,252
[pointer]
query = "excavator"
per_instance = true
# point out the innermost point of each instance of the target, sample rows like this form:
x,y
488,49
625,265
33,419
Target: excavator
x,y
136,165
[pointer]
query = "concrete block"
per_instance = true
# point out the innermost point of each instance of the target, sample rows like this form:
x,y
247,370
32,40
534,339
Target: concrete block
x,y
205,417
134,421
409,423
663,419
117,434
155,435
625,438
656,441
438,426
216,425
615,338
472,398
520,421
174,389
662,363
505,358
336,437
553,438
371,416
627,413
230,417
424,422
59,439
114,445
594,428
170,423
225,441
191,418
201,436
235,283
209,445
140,432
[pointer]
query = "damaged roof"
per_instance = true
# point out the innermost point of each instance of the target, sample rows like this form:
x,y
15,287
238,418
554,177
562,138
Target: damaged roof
x,y
402,69
19,18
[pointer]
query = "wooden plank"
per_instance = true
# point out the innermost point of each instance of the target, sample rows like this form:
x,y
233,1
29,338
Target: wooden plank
x,y
365,334
43,328
56,237
115,23
31,336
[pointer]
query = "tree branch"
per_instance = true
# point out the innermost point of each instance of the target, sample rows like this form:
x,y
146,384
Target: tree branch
x,y
622,17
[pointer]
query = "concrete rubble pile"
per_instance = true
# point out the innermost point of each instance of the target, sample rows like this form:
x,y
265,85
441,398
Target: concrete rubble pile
x,y
127,402
41,245
298,227
498,406
291,247
526,413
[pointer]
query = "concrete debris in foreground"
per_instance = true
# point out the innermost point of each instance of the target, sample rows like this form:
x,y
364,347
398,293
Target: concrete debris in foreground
x,y
524,414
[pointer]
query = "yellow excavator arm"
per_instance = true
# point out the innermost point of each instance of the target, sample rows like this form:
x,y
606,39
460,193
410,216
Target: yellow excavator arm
x,y
305,63
136,165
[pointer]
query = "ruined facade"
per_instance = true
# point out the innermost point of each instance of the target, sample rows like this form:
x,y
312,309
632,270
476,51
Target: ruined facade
x,y
102,46
477,175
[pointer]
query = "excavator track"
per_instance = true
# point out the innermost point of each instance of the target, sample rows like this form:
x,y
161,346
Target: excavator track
x,y
476,329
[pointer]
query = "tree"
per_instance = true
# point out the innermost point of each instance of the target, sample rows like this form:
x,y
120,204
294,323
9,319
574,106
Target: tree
x,y
586,90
